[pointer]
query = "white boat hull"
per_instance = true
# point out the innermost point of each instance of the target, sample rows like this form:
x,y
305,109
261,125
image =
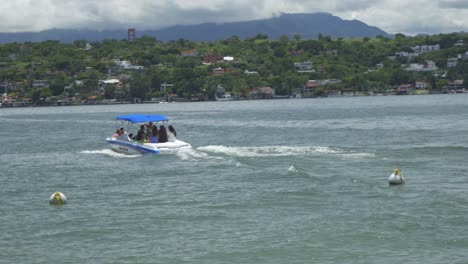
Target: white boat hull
x,y
133,147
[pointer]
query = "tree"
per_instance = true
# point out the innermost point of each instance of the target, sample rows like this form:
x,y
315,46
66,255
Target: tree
x,y
297,37
58,84
139,86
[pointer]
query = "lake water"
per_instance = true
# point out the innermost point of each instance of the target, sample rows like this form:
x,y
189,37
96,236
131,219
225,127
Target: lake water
x,y
273,181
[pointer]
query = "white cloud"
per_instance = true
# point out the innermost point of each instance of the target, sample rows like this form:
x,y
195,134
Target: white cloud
x,y
393,16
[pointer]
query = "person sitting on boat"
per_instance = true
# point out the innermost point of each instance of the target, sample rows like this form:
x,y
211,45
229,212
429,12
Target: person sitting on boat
x,y
162,134
171,134
154,135
141,135
122,131
148,131
117,134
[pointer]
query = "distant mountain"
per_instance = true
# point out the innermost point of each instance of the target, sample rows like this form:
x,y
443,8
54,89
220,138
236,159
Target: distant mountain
x,y
307,25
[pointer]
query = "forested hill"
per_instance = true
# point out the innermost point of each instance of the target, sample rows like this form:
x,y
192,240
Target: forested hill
x,y
308,26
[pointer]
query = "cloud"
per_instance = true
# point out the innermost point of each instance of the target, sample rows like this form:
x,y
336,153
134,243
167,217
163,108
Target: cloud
x,y
453,4
393,16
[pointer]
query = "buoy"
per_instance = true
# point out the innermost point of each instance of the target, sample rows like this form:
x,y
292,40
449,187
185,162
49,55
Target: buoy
x,y
396,178
57,198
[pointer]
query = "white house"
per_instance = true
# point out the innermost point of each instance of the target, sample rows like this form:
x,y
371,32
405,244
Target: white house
x,y
425,48
127,65
452,62
422,85
427,66
250,72
409,55
306,65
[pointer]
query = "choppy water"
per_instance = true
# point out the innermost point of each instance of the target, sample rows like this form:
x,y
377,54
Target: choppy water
x,y
277,181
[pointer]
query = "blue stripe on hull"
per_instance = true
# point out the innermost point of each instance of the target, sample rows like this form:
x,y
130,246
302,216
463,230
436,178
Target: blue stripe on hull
x,y
133,146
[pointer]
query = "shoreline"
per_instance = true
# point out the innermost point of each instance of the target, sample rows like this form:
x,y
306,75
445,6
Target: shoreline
x,y
62,104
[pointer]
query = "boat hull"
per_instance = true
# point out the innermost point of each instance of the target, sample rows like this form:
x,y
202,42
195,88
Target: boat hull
x,y
132,147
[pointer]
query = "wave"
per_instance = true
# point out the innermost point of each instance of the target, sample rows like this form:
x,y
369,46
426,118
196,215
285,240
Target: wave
x,y
110,153
279,151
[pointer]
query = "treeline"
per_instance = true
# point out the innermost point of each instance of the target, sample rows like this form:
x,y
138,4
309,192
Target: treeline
x,y
272,62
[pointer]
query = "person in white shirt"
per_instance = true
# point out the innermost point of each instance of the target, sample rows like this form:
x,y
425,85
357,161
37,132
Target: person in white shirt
x,y
171,134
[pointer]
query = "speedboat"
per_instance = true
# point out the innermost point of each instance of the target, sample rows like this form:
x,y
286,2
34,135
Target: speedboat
x,y
126,144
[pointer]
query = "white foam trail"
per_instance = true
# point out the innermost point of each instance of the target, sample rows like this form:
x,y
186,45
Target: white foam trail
x,y
191,154
268,151
358,155
110,153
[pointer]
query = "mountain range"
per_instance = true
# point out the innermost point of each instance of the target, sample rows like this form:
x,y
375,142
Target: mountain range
x,y
307,25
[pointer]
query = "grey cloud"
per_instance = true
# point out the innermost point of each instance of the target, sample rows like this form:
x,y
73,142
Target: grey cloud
x,y
354,5
458,4
390,15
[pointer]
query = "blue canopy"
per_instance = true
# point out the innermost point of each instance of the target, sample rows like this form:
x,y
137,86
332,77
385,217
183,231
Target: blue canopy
x,y
141,118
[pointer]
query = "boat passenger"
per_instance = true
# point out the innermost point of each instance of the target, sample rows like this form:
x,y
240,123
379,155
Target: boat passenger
x,y
162,134
141,135
117,134
154,135
171,134
149,128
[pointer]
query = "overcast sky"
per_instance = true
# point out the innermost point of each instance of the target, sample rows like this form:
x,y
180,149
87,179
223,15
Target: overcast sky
x,y
393,16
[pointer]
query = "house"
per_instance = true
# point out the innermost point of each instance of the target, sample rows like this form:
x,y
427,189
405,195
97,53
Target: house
x,y
457,86
465,56
333,52
459,43
422,85
425,48
328,81
304,66
452,62
427,66
119,90
310,86
221,71
261,93
409,55
218,71
165,87
189,53
40,84
296,52
250,72
127,65
268,91
211,58
403,89
13,86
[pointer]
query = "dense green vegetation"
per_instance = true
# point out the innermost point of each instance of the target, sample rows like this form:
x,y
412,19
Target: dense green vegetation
x,y
63,64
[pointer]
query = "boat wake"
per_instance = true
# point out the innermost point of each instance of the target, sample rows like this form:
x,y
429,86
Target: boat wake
x,y
110,153
191,154
215,152
281,151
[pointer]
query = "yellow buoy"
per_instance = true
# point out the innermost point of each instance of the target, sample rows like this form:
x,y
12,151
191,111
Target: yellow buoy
x,y
57,198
